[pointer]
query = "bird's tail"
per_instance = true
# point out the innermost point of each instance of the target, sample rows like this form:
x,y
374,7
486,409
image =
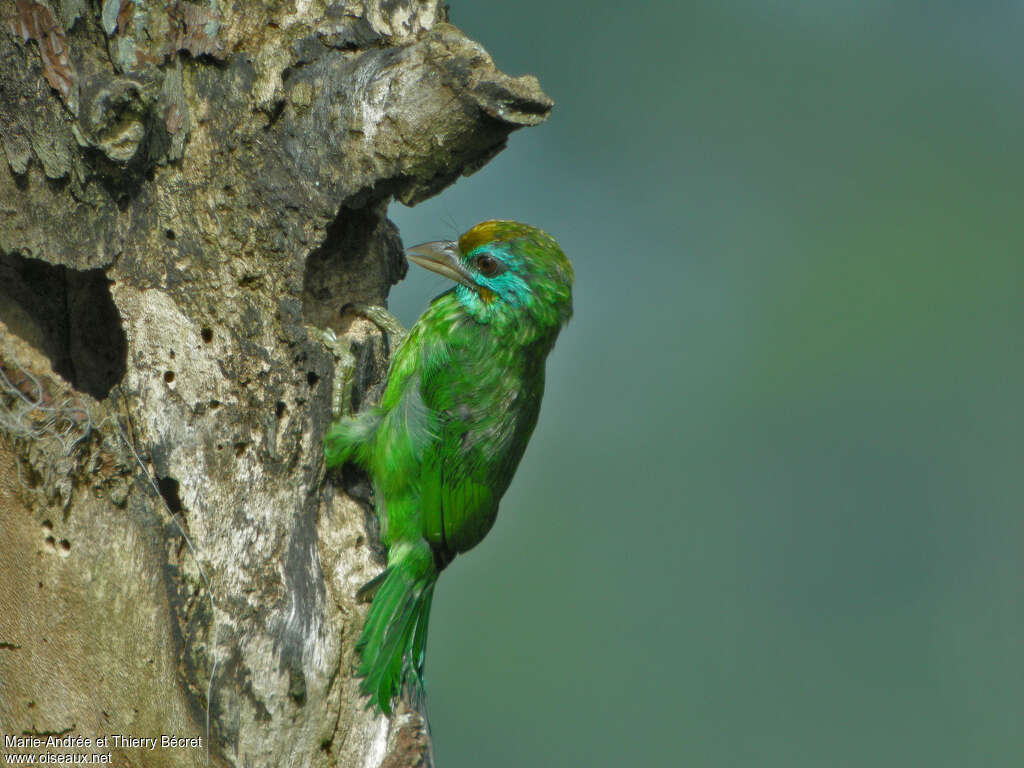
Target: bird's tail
x,y
393,644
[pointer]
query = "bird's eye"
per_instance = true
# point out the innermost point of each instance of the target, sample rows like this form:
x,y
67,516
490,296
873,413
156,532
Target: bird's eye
x,y
487,266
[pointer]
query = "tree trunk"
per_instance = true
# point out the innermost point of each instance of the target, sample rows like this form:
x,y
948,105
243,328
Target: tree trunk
x,y
189,188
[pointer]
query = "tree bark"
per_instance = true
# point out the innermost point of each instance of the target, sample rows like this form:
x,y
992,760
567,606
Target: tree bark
x,y
189,188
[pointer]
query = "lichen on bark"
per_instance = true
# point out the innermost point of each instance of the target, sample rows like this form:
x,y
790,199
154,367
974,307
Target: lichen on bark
x,y
185,190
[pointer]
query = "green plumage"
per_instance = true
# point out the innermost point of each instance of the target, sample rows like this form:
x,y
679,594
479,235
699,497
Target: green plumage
x,y
462,398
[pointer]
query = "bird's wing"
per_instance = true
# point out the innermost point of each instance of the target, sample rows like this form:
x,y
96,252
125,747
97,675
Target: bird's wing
x,y
457,500
433,398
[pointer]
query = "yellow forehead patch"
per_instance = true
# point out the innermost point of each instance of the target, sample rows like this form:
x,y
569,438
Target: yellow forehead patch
x,y
482,233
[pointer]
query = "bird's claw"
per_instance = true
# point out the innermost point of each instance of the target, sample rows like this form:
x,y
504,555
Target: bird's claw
x,y
344,367
384,320
345,360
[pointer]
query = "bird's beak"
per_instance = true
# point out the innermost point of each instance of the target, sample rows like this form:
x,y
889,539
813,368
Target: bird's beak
x,y
441,256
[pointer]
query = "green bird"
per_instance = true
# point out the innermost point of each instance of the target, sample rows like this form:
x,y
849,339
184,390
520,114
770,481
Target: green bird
x,y
461,400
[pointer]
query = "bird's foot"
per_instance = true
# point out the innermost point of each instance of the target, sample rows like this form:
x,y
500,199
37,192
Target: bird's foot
x,y
388,323
345,360
344,368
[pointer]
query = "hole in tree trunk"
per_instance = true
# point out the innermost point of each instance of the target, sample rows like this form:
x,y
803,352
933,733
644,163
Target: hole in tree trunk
x,y
69,316
169,490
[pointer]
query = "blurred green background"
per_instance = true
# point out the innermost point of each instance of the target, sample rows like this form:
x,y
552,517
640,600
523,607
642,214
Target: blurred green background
x,y
772,513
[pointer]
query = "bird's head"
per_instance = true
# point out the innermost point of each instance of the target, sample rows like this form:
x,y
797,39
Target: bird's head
x,y
505,272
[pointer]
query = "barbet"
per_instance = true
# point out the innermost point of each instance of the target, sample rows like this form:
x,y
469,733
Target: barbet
x,y
462,397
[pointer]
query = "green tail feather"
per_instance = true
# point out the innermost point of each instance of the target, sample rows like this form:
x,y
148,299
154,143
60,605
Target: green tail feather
x,y
393,644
